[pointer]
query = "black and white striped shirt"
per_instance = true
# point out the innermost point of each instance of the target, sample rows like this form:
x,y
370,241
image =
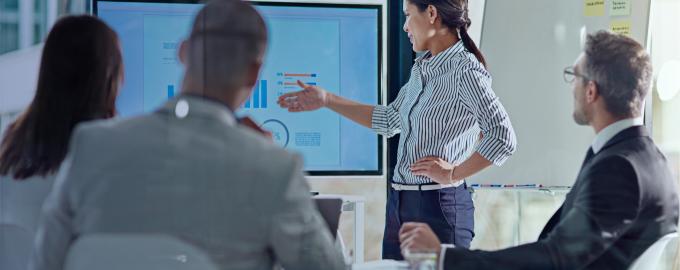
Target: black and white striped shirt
x,y
441,111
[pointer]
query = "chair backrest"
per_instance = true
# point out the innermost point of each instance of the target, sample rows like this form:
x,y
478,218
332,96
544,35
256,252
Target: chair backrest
x,y
330,209
15,246
135,252
651,258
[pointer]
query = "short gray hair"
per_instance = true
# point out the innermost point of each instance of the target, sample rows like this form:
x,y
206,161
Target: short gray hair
x,y
622,70
227,37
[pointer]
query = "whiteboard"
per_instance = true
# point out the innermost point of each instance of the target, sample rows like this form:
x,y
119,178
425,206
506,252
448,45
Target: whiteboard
x,y
527,44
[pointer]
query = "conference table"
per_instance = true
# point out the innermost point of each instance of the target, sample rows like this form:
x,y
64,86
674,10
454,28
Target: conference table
x,y
381,265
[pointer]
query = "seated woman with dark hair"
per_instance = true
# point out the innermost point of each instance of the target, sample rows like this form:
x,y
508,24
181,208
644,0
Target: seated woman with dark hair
x,y
80,72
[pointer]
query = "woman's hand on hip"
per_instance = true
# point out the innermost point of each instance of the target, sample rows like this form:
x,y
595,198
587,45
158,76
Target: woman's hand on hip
x,y
435,168
310,98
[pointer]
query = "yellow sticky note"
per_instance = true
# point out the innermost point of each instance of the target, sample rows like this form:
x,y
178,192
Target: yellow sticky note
x,y
619,8
621,27
593,8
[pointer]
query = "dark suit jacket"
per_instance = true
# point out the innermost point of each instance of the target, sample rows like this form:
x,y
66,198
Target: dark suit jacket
x,y
623,200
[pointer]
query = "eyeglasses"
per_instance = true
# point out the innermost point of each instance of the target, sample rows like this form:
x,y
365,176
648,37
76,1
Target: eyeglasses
x,y
570,75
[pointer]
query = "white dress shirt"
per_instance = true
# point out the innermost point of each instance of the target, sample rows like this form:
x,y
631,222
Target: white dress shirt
x,y
610,131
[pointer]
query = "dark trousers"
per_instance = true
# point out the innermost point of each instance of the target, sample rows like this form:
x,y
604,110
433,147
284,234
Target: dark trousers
x,y
449,212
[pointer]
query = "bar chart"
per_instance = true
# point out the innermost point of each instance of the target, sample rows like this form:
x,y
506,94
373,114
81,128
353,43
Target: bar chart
x,y
316,62
258,100
171,91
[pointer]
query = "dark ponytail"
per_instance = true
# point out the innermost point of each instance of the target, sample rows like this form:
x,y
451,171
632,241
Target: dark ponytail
x,y
455,16
470,44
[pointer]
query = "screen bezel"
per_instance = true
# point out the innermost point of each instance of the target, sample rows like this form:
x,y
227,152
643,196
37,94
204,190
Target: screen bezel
x,y
377,7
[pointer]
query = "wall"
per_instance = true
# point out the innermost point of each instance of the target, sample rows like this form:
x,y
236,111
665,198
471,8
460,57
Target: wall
x,y
18,74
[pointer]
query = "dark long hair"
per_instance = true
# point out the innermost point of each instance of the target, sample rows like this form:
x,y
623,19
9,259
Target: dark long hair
x,y
455,15
80,71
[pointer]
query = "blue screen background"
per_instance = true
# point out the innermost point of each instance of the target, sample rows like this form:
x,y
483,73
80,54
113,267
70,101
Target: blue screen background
x,y
335,48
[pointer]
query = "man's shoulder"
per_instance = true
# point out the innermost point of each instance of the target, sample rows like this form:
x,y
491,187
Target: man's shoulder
x,y
634,165
637,152
221,143
614,161
235,135
111,127
267,151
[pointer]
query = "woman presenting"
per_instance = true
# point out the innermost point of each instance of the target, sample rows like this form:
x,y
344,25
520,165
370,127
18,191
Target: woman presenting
x,y
452,124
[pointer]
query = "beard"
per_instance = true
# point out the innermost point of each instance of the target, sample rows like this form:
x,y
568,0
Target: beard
x,y
580,117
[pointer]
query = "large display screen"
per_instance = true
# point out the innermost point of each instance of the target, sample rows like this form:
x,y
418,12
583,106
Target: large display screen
x,y
335,46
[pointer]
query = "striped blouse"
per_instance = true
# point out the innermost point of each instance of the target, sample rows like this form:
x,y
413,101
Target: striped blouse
x,y
441,111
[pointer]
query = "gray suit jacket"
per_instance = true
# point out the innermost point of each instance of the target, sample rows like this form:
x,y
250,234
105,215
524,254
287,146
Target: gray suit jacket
x,y
201,178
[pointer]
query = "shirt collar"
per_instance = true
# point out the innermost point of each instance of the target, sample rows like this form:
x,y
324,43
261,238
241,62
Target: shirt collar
x,y
610,131
212,100
442,57
200,106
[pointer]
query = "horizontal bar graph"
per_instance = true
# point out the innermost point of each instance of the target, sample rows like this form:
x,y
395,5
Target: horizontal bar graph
x,y
295,83
288,80
309,75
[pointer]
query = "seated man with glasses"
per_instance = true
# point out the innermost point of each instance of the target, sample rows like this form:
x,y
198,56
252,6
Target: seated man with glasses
x,y
624,198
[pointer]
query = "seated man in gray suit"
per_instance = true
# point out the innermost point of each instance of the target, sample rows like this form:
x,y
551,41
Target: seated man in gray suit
x,y
190,170
624,198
